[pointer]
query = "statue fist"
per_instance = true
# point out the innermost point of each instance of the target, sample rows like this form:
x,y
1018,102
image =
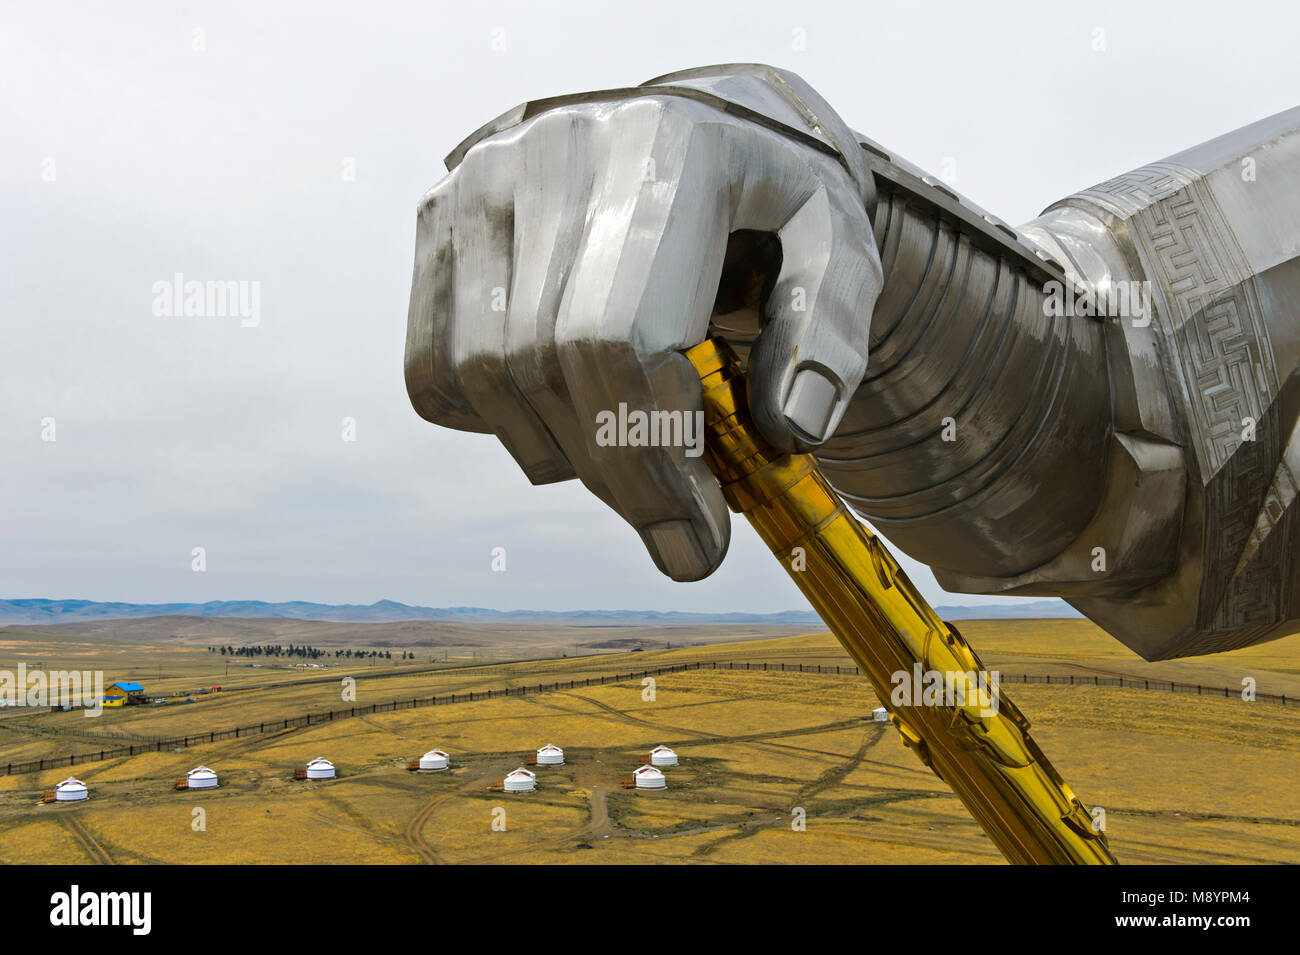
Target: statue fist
x,y
565,263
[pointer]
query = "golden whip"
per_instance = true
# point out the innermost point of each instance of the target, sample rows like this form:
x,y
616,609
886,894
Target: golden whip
x,y
961,726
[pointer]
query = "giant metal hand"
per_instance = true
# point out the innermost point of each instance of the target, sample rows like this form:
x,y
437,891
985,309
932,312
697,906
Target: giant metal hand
x,y
1013,428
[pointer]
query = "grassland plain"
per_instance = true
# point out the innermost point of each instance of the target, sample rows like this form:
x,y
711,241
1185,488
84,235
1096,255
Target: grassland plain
x,y
1182,778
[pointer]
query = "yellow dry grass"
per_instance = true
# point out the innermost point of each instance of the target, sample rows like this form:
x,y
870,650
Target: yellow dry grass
x,y
1182,778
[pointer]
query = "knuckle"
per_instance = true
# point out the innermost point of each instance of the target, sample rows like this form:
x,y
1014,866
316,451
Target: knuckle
x,y
554,124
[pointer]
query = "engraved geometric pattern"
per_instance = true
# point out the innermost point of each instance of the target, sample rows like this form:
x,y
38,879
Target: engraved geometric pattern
x,y
1223,365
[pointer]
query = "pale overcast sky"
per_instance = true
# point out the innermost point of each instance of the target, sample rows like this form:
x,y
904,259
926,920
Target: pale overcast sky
x,y
129,155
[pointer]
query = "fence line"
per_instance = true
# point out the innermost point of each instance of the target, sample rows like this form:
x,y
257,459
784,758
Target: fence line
x,y
315,719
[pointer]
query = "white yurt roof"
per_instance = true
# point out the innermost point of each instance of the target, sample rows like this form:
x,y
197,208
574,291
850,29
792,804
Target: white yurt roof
x,y
550,748
661,749
202,771
647,777
320,761
70,784
434,759
521,773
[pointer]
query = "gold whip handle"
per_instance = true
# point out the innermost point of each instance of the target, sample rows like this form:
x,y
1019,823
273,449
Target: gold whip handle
x,y
961,726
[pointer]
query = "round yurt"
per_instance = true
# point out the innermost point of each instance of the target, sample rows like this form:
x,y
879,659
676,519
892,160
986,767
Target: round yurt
x,y
647,777
550,755
662,756
320,768
70,790
433,760
201,778
880,715
520,781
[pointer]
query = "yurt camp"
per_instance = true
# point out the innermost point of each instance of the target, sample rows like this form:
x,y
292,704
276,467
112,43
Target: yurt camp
x,y
433,761
647,777
662,756
550,755
880,715
70,790
200,777
320,768
520,781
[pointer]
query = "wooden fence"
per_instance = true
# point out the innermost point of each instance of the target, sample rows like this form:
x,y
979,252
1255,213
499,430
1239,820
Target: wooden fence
x,y
469,696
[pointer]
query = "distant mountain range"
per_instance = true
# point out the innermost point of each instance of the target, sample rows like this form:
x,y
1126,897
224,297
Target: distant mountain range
x,y
42,611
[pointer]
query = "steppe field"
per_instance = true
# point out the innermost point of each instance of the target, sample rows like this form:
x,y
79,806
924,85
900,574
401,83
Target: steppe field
x,y
1183,777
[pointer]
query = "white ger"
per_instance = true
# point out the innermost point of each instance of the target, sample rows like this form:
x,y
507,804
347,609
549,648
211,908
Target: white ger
x,y
647,777
433,759
662,756
521,781
200,777
880,715
320,768
550,755
70,790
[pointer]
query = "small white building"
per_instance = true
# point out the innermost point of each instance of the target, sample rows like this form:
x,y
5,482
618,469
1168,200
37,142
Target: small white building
x,y
71,790
550,755
320,768
521,781
434,759
662,756
880,715
200,777
647,777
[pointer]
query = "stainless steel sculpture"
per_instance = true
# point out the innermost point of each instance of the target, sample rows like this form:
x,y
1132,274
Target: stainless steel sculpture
x,y
1100,405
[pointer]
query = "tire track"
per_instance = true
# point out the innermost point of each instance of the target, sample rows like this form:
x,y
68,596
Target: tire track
x,y
751,827
836,774
628,717
87,842
851,723
414,833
